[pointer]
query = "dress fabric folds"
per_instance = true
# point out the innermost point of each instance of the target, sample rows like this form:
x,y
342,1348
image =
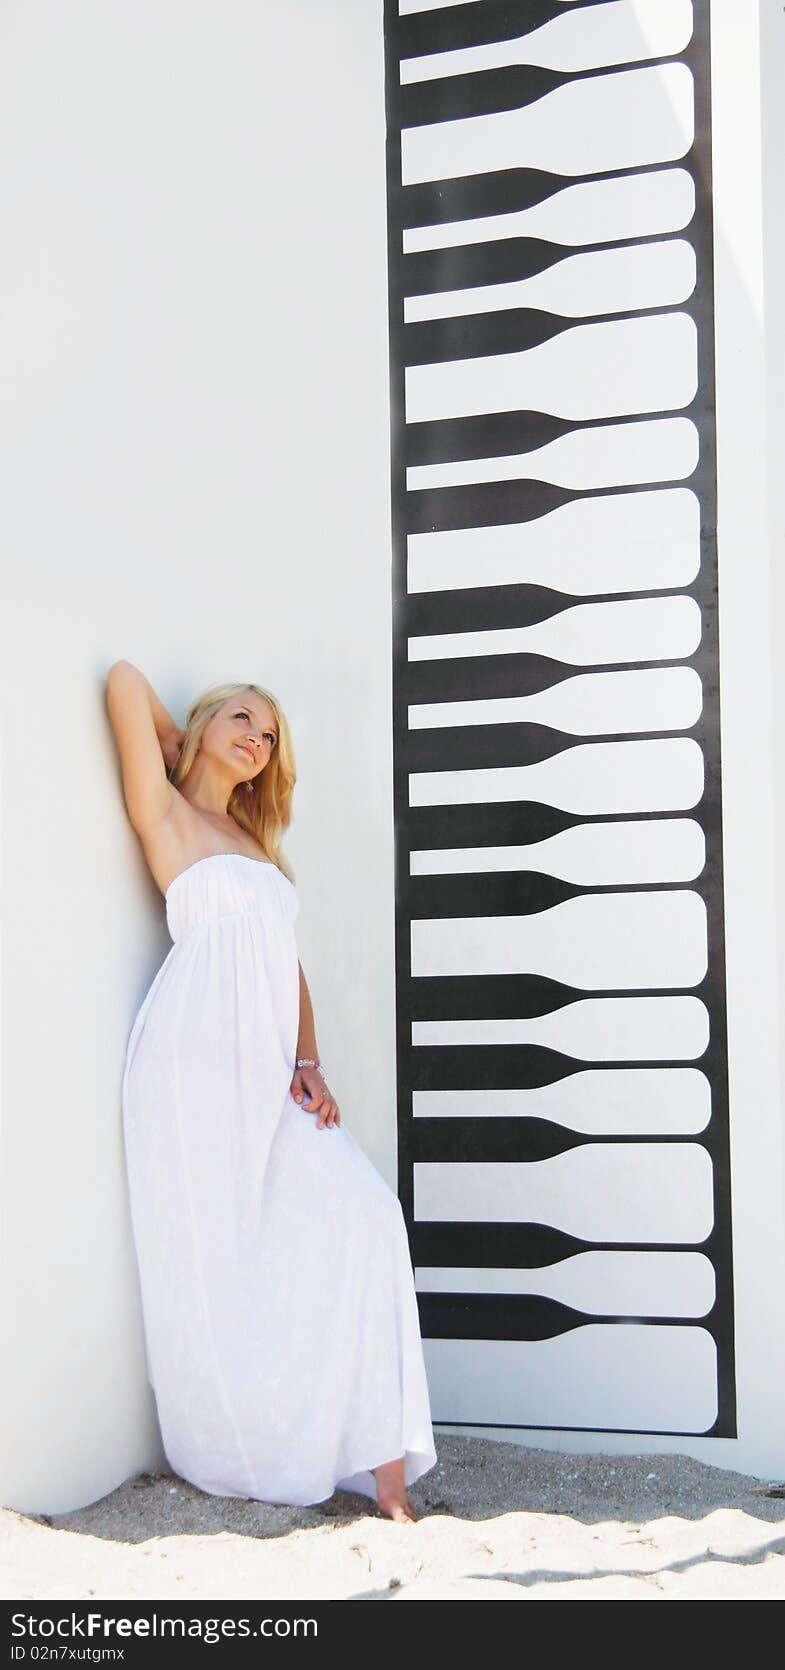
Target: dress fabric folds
x,y
281,1326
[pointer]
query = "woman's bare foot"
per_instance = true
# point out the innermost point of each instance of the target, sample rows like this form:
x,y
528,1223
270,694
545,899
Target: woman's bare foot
x,y
391,1492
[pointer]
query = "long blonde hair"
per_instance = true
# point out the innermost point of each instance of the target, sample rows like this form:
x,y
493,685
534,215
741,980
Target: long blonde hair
x,y
264,811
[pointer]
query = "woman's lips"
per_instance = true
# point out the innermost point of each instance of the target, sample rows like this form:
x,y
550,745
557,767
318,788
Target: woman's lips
x,y
245,750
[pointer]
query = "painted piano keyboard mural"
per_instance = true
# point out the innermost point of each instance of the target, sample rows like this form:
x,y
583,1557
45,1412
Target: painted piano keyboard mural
x,y
561,1030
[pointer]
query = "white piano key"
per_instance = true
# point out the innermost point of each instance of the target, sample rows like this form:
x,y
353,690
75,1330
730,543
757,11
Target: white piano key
x,y
663,1379
590,126
653,776
600,281
405,7
598,1283
614,941
591,1029
615,542
605,1191
589,855
619,32
611,455
632,629
593,212
613,369
599,1101
589,704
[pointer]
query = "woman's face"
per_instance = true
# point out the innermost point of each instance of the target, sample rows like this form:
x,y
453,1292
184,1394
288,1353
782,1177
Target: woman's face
x,y
242,735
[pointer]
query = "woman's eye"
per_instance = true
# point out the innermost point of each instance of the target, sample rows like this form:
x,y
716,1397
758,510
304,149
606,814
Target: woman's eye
x,y
270,735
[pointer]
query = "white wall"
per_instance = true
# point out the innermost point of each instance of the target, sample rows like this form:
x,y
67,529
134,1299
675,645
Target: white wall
x,y
196,445
772,60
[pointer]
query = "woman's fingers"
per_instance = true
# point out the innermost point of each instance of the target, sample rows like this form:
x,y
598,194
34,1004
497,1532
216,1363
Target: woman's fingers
x,y
317,1101
329,1114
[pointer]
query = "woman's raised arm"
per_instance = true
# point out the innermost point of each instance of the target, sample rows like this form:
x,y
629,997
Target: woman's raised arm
x,y
147,738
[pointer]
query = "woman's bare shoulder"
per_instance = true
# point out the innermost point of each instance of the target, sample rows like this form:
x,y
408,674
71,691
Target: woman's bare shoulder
x,y
185,836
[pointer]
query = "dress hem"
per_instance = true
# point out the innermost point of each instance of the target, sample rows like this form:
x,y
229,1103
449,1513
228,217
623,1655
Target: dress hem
x,y
355,1488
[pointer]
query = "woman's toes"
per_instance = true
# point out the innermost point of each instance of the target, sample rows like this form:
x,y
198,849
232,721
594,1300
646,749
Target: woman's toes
x,y
401,1511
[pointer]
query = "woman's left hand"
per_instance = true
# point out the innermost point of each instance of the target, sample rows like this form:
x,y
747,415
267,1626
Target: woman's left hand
x,y
307,1083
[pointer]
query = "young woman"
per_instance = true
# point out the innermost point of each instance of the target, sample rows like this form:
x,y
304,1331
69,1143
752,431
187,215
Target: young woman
x,y
280,1318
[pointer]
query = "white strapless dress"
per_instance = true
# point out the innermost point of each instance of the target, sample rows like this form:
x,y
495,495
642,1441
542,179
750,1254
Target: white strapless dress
x,y
280,1318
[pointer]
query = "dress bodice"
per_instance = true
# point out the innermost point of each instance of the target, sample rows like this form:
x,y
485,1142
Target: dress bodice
x,y
227,885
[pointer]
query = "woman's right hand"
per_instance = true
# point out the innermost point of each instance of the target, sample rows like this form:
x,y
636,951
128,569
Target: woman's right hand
x,y
171,747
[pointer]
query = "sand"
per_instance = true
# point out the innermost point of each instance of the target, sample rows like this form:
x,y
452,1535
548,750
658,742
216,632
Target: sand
x,y
496,1521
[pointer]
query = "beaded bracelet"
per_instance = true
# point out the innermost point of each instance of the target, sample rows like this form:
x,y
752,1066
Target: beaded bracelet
x,y
304,1062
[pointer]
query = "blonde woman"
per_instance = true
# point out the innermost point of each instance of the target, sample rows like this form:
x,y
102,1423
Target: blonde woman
x,y
281,1325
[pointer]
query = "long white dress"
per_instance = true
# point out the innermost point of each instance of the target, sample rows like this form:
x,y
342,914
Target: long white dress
x,y
280,1319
